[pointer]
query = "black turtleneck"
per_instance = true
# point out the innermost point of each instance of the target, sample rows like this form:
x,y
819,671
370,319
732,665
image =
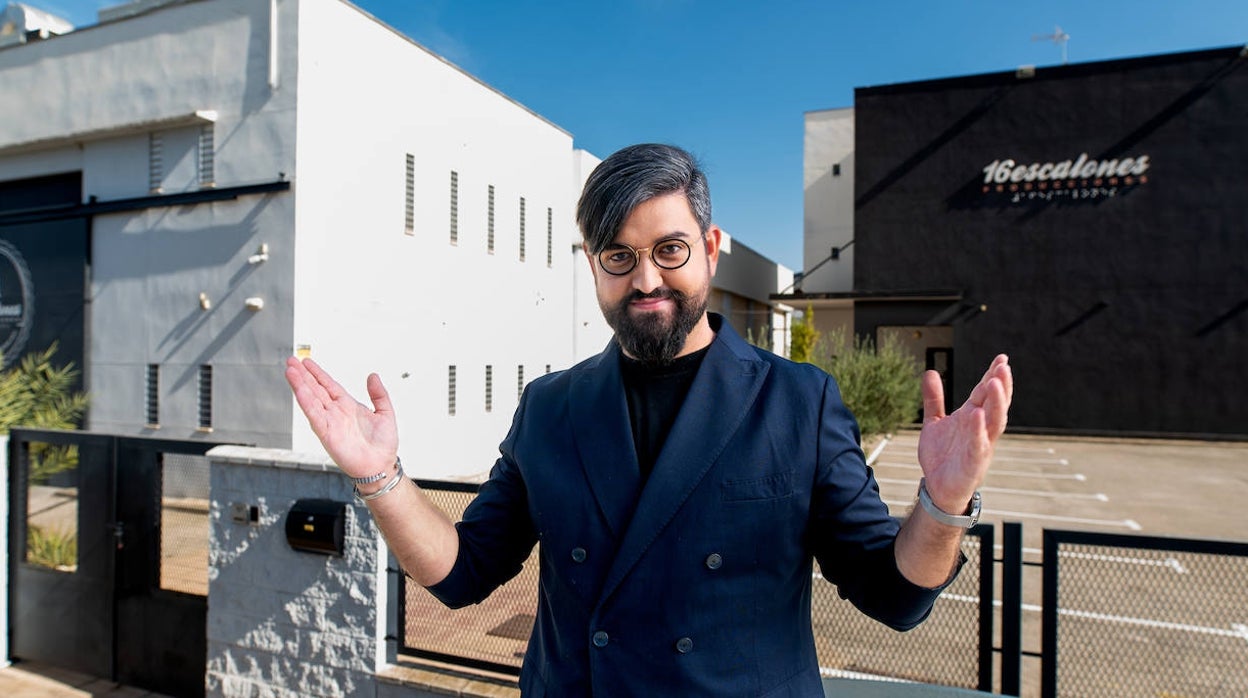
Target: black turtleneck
x,y
655,394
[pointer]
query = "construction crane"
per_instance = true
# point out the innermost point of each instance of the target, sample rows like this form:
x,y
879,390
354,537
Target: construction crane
x,y
1058,37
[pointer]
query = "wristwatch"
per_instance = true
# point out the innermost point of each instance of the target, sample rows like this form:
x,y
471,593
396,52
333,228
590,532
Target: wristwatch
x,y
968,519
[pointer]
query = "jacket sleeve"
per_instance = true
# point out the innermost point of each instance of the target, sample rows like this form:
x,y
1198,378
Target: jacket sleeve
x,y
852,533
496,534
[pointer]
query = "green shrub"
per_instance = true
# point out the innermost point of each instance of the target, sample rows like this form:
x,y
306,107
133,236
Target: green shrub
x,y
55,549
803,337
880,385
35,393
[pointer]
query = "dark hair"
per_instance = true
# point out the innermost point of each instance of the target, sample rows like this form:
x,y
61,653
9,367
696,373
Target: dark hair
x,y
630,177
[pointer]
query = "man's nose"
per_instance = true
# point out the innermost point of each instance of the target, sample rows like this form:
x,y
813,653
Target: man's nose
x,y
646,276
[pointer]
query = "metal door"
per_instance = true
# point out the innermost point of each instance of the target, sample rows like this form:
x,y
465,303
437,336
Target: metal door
x,y
61,549
132,604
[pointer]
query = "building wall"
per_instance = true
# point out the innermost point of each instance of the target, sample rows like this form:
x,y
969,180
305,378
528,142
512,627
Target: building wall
x,y
370,296
150,75
828,200
1121,297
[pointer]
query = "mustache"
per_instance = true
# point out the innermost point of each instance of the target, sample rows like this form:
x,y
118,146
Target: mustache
x,y
667,293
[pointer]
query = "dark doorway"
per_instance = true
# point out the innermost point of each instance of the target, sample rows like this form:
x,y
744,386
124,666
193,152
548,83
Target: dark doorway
x,y
940,360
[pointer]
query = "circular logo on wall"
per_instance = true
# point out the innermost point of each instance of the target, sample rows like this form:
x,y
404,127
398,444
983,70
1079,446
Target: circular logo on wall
x,y
17,303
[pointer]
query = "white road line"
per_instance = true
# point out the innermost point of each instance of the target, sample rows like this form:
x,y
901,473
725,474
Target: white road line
x,y
1122,523
1236,629
1007,473
829,672
1170,563
1241,629
1033,493
1023,459
1003,490
875,452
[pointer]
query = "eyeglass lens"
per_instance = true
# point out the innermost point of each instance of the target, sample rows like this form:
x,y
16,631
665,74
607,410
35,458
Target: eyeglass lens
x,y
666,254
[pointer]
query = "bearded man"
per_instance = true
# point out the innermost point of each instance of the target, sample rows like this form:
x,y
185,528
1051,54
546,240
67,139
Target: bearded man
x,y
681,482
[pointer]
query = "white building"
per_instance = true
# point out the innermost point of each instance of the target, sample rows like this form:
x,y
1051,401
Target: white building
x,y
828,220
242,180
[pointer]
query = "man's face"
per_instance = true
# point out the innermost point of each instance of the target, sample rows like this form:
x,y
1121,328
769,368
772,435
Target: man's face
x,y
654,310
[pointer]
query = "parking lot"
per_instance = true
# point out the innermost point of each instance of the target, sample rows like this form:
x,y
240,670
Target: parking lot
x,y
1186,489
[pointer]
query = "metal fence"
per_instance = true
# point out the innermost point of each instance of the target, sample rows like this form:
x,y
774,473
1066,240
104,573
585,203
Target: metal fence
x,y
954,647
1131,615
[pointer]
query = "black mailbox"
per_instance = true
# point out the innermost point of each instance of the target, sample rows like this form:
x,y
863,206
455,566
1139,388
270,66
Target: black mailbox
x,y
317,526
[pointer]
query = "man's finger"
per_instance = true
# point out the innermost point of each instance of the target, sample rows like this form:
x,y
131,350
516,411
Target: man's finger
x,y
378,394
933,397
331,386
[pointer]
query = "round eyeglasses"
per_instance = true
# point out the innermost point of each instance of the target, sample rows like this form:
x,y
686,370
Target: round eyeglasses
x,y
619,259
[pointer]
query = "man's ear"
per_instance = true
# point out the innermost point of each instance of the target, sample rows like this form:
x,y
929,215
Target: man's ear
x,y
714,236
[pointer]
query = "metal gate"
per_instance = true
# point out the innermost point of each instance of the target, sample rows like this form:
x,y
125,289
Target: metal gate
x,y
108,546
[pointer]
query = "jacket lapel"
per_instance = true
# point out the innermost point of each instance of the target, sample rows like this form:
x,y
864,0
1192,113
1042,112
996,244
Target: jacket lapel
x,y
604,439
722,393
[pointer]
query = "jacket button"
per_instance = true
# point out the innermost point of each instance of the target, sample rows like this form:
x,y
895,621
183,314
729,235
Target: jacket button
x,y
684,645
578,554
714,561
600,639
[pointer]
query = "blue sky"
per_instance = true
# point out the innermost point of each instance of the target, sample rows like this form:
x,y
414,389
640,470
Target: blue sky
x,y
730,80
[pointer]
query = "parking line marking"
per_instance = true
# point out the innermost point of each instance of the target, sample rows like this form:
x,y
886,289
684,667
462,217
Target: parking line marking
x,y
1122,523
1008,473
1005,490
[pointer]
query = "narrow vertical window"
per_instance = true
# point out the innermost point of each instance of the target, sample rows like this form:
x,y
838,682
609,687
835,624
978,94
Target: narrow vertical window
x,y
205,397
550,237
207,155
522,229
409,216
548,368
155,162
153,396
519,381
454,207
489,222
489,388
450,390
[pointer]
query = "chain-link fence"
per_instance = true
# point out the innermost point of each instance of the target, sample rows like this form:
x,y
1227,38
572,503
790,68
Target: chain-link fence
x,y
952,647
1136,616
184,525
946,649
491,635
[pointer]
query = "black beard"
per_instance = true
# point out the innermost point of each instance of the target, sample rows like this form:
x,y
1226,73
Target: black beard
x,y
651,338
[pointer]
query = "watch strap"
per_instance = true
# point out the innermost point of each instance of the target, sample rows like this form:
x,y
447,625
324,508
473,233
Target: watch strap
x,y
966,520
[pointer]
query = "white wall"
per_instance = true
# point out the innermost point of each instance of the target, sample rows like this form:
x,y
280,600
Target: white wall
x,y
370,297
828,199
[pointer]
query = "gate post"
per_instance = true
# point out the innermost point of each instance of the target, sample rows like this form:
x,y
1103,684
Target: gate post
x,y
4,551
1011,607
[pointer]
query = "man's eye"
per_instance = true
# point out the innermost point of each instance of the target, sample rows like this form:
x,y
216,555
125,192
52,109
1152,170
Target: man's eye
x,y
670,250
619,257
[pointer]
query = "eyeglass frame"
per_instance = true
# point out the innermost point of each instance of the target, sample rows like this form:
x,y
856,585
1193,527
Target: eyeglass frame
x,y
637,255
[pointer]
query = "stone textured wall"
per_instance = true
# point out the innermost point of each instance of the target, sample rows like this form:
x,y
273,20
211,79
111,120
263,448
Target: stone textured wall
x,y
282,622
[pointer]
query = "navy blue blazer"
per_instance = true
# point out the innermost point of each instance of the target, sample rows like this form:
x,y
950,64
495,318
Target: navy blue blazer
x,y
698,583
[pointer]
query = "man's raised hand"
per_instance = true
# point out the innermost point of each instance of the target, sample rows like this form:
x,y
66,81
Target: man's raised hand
x,y
956,450
362,441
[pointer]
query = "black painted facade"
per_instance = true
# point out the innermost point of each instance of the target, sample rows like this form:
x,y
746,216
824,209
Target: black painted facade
x,y
1093,218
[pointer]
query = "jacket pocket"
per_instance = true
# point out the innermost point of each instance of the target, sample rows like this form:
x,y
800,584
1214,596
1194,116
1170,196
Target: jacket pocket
x,y
760,488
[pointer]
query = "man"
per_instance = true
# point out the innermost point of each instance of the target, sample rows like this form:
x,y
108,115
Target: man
x,y
680,482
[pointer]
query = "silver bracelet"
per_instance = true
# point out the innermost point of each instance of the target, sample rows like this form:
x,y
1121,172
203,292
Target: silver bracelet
x,y
394,482
398,464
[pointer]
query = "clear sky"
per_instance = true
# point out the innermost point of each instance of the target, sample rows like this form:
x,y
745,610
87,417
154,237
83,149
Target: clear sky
x,y
730,80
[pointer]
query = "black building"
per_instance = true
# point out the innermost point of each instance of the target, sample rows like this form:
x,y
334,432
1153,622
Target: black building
x,y
1090,220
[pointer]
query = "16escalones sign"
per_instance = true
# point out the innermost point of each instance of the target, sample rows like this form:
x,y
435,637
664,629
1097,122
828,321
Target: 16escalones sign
x,y
1078,178
17,303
